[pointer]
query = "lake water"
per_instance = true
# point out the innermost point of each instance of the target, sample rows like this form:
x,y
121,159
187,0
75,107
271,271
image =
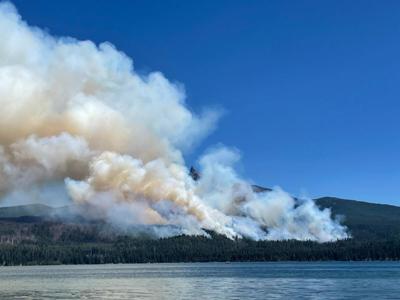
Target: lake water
x,y
325,280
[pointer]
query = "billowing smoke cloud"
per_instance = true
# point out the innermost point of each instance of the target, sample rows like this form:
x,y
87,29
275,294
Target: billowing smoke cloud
x,y
78,113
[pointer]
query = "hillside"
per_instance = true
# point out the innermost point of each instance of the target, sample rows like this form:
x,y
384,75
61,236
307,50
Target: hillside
x,y
365,220
34,235
33,210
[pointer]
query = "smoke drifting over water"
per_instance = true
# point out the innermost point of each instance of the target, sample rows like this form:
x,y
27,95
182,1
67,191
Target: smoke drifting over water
x,y
78,113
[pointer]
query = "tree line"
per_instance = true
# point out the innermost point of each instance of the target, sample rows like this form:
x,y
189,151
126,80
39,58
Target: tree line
x,y
128,249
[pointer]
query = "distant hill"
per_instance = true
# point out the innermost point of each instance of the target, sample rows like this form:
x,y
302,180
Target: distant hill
x,y
365,220
35,210
33,234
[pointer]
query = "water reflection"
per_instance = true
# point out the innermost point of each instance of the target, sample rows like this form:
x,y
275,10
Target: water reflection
x,y
202,281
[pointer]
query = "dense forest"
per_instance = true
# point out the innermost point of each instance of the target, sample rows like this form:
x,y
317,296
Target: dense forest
x,y
194,249
35,239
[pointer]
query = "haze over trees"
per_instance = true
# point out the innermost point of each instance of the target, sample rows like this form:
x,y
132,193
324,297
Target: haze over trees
x,y
375,231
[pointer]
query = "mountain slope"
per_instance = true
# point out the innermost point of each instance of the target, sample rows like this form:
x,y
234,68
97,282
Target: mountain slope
x,y
32,210
365,220
31,235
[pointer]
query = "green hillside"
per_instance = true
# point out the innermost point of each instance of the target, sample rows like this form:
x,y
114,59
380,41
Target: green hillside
x,y
35,210
33,235
365,220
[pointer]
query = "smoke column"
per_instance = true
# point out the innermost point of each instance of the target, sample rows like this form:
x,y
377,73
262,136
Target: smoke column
x,y
78,113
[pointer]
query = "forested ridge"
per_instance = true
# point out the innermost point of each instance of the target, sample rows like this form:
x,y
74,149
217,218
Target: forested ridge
x,y
33,239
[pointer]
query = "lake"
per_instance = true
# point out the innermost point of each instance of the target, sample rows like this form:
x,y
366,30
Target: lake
x,y
288,280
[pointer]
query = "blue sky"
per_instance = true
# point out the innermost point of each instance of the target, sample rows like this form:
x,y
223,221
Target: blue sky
x,y
310,88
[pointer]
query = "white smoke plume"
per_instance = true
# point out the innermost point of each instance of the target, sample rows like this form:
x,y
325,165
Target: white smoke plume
x,y
76,112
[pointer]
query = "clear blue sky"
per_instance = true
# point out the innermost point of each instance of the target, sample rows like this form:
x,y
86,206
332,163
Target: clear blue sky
x,y
311,88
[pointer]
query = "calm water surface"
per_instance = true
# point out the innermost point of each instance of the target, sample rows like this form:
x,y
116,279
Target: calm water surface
x,y
325,280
